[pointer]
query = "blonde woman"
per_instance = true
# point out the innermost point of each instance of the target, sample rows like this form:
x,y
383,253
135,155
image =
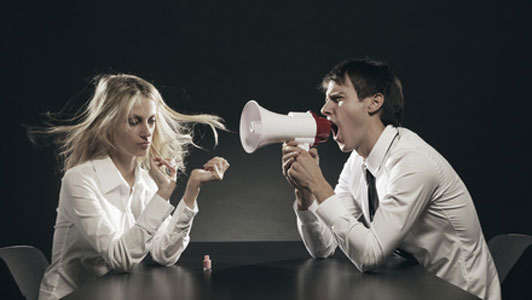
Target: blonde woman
x,y
121,158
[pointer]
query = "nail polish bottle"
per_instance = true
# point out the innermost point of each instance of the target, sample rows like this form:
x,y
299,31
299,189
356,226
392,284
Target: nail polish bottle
x,y
207,263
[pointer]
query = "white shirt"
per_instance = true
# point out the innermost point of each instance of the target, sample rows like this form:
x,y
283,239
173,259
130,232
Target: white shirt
x,y
102,224
424,208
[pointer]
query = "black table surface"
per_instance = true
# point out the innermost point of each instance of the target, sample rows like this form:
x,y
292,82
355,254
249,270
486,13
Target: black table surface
x,y
268,270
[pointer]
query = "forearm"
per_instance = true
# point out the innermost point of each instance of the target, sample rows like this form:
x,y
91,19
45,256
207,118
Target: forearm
x,y
125,251
317,238
360,244
166,191
168,247
173,236
365,247
191,194
321,190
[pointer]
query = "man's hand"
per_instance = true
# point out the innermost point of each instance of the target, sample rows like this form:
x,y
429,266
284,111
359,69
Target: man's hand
x,y
302,170
290,152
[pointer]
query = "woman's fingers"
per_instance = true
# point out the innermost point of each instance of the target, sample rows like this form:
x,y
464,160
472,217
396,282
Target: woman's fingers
x,y
218,173
219,162
170,164
217,167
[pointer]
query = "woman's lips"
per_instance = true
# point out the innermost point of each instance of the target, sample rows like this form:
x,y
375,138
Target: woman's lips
x,y
144,145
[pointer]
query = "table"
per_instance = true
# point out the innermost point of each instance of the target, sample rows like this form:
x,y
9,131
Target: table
x,y
268,270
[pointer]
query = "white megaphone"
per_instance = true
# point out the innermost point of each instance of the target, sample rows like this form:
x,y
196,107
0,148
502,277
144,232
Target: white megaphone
x,y
260,127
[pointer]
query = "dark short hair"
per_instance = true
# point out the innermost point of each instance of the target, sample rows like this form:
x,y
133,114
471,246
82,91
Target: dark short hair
x,y
368,78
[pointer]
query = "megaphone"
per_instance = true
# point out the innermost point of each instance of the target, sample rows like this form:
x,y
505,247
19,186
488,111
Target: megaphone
x,y
260,127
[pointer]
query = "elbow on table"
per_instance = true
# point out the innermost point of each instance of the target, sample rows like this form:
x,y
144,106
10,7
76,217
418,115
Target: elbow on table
x,y
366,258
166,261
322,253
365,268
125,266
122,261
368,264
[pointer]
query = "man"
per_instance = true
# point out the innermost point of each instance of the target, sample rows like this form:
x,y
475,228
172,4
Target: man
x,y
395,193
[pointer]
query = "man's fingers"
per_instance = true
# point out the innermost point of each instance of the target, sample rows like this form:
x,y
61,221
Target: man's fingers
x,y
290,148
313,152
290,155
286,165
289,143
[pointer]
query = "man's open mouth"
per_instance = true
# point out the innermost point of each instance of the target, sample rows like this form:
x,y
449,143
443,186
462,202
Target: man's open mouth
x,y
334,129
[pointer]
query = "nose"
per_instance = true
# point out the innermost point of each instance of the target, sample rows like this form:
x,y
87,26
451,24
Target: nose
x,y
326,109
146,130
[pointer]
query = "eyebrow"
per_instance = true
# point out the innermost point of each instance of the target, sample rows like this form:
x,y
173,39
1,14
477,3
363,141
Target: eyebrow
x,y
335,94
140,117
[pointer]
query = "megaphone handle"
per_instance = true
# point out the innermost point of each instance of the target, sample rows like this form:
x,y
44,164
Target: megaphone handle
x,y
304,146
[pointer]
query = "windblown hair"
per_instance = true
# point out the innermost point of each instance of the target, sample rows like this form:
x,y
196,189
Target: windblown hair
x,y
91,134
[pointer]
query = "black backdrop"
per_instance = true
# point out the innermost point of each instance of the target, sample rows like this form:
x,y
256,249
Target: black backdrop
x,y
464,66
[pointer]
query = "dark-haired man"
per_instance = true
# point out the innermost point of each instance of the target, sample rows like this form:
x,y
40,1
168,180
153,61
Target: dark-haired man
x,y
395,193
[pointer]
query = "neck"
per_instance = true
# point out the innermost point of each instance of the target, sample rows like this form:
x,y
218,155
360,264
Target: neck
x,y
126,165
371,137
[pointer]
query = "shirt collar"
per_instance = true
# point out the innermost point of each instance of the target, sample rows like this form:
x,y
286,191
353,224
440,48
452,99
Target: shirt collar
x,y
381,147
109,175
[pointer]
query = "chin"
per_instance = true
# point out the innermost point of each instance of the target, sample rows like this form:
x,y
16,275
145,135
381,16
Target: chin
x,y
142,153
344,148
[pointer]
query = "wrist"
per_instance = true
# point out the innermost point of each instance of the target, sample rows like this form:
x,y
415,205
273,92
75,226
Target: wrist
x,y
304,199
191,193
301,206
167,190
193,184
165,193
322,191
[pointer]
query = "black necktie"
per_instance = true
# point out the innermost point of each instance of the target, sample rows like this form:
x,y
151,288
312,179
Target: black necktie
x,y
373,201
373,198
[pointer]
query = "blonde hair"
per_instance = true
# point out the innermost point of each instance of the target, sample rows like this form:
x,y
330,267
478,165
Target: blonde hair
x,y
91,135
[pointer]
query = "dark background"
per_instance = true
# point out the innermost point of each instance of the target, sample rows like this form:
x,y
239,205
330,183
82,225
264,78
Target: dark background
x,y
465,68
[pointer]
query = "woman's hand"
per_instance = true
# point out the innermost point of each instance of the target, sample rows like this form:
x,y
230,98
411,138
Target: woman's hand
x,y
213,170
164,180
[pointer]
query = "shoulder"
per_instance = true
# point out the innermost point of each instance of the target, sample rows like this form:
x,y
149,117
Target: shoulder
x,y
412,156
81,173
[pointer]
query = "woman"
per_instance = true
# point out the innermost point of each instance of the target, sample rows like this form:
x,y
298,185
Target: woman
x,y
121,159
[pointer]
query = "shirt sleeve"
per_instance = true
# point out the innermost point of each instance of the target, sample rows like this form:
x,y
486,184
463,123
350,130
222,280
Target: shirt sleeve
x,y
173,236
317,238
412,180
316,235
120,250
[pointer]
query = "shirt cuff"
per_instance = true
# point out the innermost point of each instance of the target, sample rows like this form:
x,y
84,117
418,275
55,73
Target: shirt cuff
x,y
183,215
331,210
306,216
154,213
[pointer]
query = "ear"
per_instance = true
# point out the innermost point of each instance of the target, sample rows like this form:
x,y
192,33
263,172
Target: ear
x,y
375,103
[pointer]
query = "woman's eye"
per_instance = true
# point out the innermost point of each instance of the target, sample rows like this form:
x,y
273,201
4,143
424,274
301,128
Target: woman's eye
x,y
133,122
151,121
